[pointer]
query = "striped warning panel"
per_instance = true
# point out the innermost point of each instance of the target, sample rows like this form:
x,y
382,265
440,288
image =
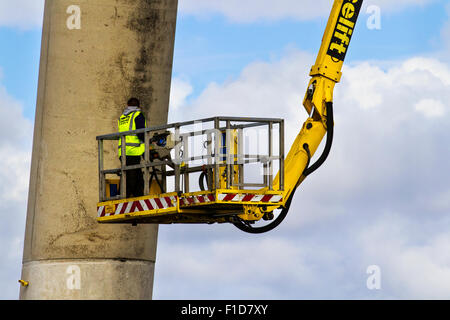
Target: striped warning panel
x,y
248,197
138,206
197,199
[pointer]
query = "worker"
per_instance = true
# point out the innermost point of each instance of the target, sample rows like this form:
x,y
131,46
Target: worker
x,y
133,119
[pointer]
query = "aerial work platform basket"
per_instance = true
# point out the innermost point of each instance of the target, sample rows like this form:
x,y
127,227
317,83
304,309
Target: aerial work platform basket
x,y
203,171
206,171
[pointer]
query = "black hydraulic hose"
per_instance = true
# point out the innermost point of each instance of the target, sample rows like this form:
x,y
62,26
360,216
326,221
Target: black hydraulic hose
x,y
258,230
246,227
327,149
201,179
241,225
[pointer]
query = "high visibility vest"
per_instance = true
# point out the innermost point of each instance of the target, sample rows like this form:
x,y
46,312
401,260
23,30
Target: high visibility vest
x,y
133,146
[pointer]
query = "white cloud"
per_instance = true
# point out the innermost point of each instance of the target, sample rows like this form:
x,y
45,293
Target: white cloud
x,y
261,88
224,264
380,198
267,10
22,14
15,159
412,269
251,10
26,14
181,89
441,201
14,149
430,108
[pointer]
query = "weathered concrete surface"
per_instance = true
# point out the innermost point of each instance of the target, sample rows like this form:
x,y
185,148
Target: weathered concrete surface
x,y
81,279
124,48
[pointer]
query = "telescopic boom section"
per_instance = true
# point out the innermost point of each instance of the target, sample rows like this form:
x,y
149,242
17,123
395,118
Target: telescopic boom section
x,y
318,100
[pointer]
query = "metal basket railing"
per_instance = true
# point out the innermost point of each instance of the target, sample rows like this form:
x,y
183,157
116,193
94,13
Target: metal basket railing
x,y
223,140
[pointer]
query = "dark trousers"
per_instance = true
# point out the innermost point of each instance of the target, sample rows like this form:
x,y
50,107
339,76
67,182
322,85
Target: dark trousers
x,y
135,180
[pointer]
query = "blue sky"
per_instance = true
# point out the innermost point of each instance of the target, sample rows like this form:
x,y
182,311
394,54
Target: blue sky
x,y
215,49
19,61
386,203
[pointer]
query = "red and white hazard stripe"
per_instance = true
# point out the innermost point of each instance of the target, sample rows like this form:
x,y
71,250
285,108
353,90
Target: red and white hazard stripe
x,y
248,197
198,199
139,205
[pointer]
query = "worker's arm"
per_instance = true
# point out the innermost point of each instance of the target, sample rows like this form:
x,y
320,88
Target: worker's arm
x,y
140,124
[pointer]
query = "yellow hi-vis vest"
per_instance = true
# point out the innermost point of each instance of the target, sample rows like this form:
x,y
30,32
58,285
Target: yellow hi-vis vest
x,y
133,146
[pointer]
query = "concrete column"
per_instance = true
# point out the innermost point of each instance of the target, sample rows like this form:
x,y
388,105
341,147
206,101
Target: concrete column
x,y
95,55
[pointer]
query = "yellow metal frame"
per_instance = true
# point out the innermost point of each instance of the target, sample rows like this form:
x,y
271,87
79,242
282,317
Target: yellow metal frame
x,y
110,182
110,207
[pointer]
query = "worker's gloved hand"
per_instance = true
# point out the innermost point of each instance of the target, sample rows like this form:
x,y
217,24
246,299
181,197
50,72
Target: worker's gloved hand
x,y
161,142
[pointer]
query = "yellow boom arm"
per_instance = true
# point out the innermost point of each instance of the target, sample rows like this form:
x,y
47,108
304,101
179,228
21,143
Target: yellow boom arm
x,y
318,102
325,73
